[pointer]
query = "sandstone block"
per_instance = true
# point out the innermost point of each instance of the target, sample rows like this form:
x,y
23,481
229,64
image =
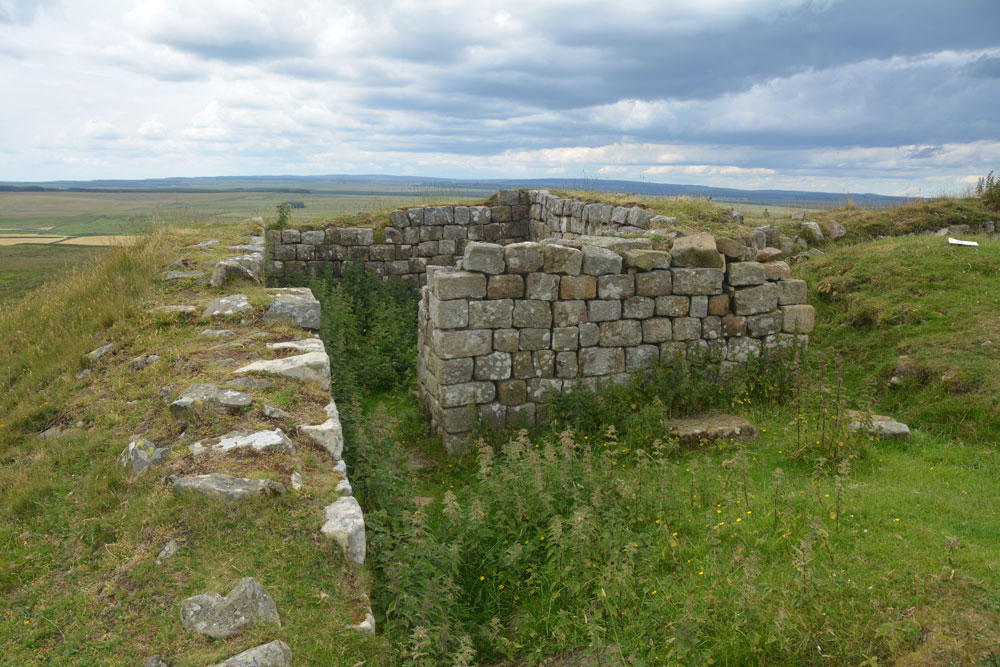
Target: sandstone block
x,y
561,259
600,261
577,287
641,357
777,271
439,215
479,215
491,314
601,360
791,292
696,250
448,314
755,300
505,287
711,327
673,306
357,236
457,344
718,304
621,333
565,338
768,254
657,330
505,340
453,371
741,349
493,367
457,285
543,362
734,326
590,334
604,310
653,283
699,306
566,365
647,260
247,605
524,257
521,415
798,319
733,250
615,286
484,258
569,313
541,287
743,274
522,365
534,314
687,328
462,215
512,392
764,324
457,395
636,307
540,388
697,281
535,339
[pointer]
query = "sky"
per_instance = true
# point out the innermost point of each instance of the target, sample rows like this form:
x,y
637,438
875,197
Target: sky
x,y
898,97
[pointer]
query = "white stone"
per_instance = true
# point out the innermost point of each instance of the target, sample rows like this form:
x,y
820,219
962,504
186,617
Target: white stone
x,y
329,435
345,523
261,441
312,366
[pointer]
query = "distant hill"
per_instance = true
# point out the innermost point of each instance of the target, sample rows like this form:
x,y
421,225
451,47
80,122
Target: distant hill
x,y
381,184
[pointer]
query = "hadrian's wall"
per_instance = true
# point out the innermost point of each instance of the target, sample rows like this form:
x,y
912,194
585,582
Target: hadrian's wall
x,y
536,293
517,322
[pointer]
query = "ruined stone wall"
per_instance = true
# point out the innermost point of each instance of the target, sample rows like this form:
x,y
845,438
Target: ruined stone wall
x,y
415,239
515,322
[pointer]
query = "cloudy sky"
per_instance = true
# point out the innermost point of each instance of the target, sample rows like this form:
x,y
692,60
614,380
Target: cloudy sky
x,y
887,96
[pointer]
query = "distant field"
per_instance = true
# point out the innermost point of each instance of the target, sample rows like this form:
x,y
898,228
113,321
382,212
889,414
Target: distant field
x,y
100,213
24,267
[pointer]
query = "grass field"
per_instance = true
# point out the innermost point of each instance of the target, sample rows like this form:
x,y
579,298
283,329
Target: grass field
x,y
25,267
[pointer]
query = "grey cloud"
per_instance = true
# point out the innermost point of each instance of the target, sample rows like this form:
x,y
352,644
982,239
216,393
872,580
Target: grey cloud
x,y
22,12
985,67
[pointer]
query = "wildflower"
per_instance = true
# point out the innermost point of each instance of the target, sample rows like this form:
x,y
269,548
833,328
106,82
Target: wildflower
x,y
481,578
26,622
700,572
657,522
654,591
738,519
500,587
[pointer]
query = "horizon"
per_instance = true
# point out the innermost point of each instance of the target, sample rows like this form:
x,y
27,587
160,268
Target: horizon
x,y
892,99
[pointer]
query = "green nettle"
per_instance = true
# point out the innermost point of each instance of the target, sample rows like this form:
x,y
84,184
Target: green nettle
x,y
284,216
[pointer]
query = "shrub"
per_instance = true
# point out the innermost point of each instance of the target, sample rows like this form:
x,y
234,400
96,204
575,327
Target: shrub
x,y
988,190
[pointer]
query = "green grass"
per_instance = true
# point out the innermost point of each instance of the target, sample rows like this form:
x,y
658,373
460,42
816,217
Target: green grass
x,y
25,267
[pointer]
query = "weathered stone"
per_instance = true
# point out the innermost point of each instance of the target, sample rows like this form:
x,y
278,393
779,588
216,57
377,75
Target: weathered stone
x,y
562,259
345,524
296,306
718,304
764,324
734,326
565,338
647,260
745,273
493,367
697,250
777,270
457,285
272,412
768,254
621,333
247,605
182,275
569,313
452,314
885,427
303,345
600,310
521,415
711,327
168,551
329,435
535,314
535,339
357,236
244,267
615,286
741,349
697,281
673,306
653,283
457,395
599,261
687,328
754,300
248,383
209,397
227,488
590,334
712,427
491,314
540,388
699,306
798,319
505,340
505,287
657,330
141,455
791,292
456,344
142,362
732,249
512,392
312,366
274,654
635,308
217,333
641,357
566,365
834,230
261,441
484,258
601,360
541,287
228,305
811,231
577,287
524,257
453,371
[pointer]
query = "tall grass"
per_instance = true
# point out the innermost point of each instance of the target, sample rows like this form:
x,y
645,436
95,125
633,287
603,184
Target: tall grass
x,y
45,334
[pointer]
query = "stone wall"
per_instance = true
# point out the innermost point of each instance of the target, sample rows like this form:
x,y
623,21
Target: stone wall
x,y
515,322
415,239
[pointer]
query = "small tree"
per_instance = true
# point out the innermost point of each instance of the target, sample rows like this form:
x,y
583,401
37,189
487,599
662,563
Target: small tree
x,y
988,190
284,215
